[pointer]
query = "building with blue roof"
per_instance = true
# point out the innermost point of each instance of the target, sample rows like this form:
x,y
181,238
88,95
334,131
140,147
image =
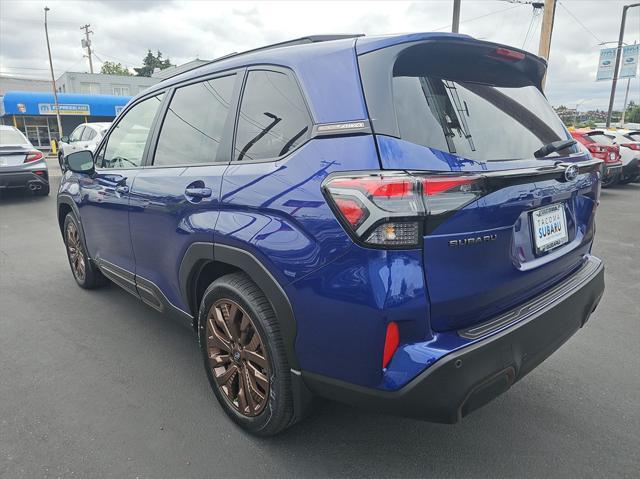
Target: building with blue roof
x,y
34,113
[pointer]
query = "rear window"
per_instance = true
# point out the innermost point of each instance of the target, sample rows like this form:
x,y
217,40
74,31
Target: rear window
x,y
467,101
601,138
11,137
273,120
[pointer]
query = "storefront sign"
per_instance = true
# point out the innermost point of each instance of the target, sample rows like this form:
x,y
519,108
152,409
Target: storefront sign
x,y
119,109
629,63
65,109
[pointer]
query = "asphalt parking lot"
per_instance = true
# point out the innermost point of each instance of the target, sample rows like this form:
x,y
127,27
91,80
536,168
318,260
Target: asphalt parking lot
x,y
96,384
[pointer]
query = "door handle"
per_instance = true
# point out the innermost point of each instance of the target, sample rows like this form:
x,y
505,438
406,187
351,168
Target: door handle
x,y
193,192
122,189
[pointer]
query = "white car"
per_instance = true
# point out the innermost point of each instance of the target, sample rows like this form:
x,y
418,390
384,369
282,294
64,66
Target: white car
x,y
86,136
629,154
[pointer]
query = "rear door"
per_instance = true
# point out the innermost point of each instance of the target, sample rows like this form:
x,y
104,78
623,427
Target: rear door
x,y
503,224
174,199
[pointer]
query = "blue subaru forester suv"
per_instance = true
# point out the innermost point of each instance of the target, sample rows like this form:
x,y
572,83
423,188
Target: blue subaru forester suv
x,y
400,223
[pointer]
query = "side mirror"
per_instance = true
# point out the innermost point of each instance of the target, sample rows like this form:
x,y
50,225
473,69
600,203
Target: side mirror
x,y
81,162
64,139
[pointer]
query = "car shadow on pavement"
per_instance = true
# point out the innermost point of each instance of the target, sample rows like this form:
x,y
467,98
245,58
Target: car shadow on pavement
x,y
12,197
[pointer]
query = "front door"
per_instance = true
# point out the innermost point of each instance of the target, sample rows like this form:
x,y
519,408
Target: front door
x,y
104,208
174,200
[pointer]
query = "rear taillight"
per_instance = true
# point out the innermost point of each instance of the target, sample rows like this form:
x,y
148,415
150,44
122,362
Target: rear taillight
x,y
34,155
632,146
507,54
389,210
596,149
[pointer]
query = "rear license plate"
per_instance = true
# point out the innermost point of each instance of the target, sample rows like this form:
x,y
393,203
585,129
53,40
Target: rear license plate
x,y
549,228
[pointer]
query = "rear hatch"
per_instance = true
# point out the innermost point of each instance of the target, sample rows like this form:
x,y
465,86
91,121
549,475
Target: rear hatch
x,y
503,223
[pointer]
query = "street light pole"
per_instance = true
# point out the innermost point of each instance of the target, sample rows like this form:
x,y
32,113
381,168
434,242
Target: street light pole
x,y
53,78
614,83
455,24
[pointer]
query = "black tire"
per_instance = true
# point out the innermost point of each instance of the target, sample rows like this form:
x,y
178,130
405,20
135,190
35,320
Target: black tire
x,y
77,254
277,406
609,182
626,179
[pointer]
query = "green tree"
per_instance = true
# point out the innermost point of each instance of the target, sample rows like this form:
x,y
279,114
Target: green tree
x,y
633,113
151,62
112,68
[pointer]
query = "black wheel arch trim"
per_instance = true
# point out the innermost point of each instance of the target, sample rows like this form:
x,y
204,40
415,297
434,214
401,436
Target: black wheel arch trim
x,y
64,199
198,254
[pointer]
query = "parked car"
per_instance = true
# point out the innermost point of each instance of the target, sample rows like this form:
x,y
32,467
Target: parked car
x,y
85,136
629,155
632,139
21,165
401,223
602,147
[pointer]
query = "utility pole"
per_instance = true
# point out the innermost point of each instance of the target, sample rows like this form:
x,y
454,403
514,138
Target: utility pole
x,y
546,32
53,78
455,24
614,83
86,43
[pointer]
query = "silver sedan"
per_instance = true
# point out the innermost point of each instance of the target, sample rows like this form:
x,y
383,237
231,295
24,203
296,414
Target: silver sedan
x,y
21,165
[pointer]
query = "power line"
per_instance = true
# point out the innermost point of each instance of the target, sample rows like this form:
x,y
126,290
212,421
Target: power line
x,y
447,27
23,68
580,23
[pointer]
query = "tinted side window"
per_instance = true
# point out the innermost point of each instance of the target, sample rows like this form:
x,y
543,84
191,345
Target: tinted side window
x,y
273,117
194,123
88,134
127,141
77,134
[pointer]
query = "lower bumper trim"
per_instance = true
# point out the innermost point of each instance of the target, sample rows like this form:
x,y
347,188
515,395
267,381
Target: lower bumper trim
x,y
468,378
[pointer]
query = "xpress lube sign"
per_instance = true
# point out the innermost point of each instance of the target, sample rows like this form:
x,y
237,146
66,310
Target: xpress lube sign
x,y
64,108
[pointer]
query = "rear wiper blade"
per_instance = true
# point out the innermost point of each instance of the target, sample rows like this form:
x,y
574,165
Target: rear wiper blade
x,y
552,147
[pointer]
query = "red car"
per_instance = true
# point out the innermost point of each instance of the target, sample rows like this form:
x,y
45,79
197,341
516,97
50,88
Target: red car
x,y
602,150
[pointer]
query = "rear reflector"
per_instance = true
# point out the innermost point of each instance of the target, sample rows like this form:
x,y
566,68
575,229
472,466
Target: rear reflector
x,y
391,342
34,155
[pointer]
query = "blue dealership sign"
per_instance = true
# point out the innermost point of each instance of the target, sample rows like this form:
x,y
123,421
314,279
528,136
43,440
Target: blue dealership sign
x,y
64,108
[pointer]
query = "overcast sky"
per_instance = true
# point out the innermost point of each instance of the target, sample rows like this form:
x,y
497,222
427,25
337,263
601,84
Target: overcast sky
x,y
183,30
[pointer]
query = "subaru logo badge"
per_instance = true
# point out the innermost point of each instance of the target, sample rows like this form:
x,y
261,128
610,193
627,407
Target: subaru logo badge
x,y
571,173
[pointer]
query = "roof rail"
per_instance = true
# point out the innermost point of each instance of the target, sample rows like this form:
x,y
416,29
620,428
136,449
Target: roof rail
x,y
288,43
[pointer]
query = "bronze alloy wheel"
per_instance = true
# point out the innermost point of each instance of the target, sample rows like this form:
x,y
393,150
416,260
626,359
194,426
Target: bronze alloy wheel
x,y
74,248
237,357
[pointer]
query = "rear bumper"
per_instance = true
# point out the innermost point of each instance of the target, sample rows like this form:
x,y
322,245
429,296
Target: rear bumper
x,y
469,377
631,168
22,179
610,170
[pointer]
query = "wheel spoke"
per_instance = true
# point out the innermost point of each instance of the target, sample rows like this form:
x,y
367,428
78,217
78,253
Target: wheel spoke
x,y
220,359
256,358
247,390
221,322
227,376
254,378
260,379
242,395
214,339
